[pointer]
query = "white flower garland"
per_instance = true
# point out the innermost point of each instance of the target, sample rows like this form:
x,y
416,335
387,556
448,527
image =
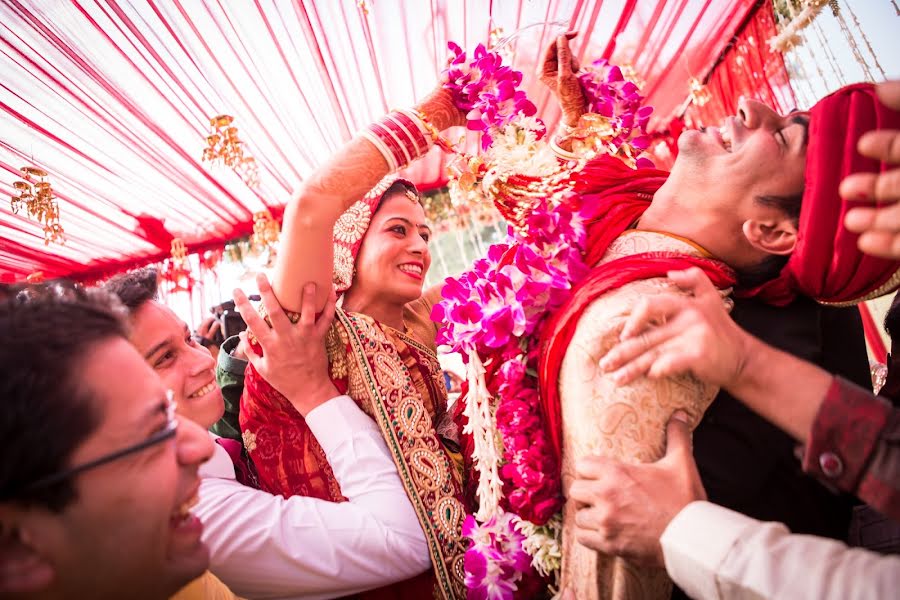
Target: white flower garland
x,y
486,454
543,544
517,149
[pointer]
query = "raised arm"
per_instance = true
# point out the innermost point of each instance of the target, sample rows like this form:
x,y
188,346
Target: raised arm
x,y
306,253
848,431
697,336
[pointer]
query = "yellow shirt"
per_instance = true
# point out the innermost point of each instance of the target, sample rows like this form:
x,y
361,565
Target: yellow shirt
x,y
205,587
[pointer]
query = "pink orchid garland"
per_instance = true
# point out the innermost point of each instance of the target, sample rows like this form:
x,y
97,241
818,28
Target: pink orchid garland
x,y
497,558
611,95
486,89
498,311
498,308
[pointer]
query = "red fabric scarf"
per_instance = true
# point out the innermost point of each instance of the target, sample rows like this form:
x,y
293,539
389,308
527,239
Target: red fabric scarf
x,y
618,196
290,461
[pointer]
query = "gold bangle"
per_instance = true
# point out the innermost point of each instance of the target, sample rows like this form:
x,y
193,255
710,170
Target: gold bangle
x,y
435,134
557,150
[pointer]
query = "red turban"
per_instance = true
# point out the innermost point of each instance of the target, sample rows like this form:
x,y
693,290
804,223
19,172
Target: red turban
x,y
826,264
352,225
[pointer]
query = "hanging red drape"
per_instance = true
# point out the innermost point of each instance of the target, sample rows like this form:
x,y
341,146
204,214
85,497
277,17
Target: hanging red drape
x,y
749,68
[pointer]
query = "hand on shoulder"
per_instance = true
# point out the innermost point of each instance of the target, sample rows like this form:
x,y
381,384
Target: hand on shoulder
x,y
293,356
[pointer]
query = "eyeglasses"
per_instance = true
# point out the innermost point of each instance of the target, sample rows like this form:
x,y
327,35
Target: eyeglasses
x,y
167,433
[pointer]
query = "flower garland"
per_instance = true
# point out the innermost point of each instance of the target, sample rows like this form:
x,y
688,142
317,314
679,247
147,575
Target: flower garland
x,y
486,89
494,313
496,559
622,125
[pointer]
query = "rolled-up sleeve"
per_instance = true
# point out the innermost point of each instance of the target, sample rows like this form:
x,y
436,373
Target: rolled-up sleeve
x,y
854,444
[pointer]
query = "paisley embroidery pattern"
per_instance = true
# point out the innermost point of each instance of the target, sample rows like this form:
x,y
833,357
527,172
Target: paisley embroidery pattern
x,y
427,473
352,224
343,267
623,422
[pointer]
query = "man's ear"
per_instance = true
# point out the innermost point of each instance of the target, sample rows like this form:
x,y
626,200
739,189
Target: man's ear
x,y
773,236
23,570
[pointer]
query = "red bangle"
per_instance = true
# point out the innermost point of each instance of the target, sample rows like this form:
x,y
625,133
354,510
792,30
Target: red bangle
x,y
385,152
403,138
400,154
401,122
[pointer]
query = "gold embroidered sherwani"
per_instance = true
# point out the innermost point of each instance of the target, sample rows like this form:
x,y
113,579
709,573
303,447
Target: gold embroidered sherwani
x,y
623,422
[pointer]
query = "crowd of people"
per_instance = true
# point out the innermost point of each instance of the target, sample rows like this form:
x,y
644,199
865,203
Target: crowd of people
x,y
315,454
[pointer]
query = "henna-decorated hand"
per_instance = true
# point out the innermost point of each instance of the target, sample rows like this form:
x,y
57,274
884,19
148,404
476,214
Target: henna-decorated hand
x,y
439,108
559,73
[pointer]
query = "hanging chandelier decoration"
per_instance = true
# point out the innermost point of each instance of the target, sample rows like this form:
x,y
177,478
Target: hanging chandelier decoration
x,y
224,146
794,16
176,273
265,230
35,196
265,235
700,94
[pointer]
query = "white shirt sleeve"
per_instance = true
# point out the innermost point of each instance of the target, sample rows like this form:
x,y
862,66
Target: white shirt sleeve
x,y
713,552
266,546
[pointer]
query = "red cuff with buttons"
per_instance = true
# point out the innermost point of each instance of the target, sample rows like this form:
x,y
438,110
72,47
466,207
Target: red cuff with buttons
x,y
845,434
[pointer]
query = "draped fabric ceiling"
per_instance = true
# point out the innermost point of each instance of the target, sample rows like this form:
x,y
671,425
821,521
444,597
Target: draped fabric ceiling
x,y
113,99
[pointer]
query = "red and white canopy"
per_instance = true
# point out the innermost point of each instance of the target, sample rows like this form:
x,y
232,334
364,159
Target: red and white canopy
x,y
113,99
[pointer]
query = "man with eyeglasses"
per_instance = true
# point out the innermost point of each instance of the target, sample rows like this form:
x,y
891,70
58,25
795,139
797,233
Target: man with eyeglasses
x,y
262,545
98,475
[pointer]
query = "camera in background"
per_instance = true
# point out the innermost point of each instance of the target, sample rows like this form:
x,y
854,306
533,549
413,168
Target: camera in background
x,y
230,320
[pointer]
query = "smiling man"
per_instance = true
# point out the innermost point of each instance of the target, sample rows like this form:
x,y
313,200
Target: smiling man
x,y
731,206
264,545
745,203
98,474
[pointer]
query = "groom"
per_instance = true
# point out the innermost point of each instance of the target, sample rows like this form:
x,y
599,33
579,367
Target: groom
x,y
738,198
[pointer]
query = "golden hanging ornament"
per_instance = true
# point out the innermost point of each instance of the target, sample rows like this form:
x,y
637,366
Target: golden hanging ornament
x,y
498,42
179,251
35,196
265,230
700,94
176,272
630,74
223,145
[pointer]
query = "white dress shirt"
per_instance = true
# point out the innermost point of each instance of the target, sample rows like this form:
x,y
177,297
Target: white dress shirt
x,y
266,546
713,552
